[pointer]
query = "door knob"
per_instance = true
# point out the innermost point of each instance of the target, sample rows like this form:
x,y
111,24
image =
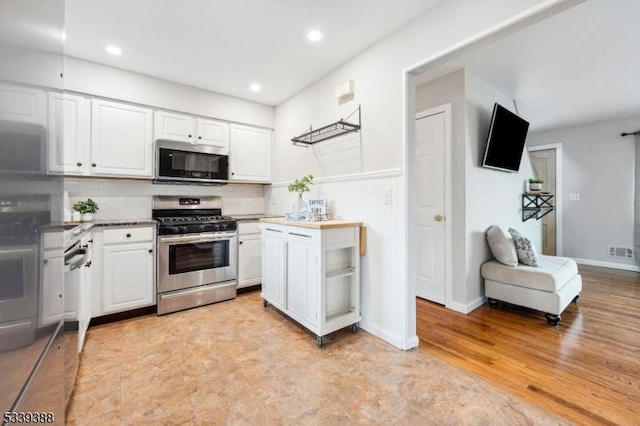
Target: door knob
x,y
438,218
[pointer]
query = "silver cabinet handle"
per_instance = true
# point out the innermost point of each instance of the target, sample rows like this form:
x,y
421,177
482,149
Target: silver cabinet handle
x,y
300,235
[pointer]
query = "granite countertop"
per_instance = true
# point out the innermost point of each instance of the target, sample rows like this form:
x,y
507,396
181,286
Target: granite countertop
x,y
324,224
127,222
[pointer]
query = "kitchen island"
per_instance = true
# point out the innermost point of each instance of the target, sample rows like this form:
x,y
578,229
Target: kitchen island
x,y
311,272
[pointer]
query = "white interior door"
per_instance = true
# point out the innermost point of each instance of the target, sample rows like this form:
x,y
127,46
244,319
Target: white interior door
x,y
544,167
430,207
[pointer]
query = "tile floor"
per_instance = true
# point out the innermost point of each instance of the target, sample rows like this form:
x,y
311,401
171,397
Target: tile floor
x,y
238,363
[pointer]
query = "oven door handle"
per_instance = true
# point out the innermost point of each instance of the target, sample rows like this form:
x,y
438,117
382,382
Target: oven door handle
x,y
199,239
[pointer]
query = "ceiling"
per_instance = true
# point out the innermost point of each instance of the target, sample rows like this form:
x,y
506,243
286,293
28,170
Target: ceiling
x,y
578,66
225,46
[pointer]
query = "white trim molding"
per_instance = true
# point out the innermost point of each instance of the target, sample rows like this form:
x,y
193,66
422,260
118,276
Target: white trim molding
x,y
467,308
346,178
610,265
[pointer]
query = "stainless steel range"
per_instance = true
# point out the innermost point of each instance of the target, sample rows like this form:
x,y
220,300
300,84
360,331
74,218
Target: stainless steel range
x,y
197,249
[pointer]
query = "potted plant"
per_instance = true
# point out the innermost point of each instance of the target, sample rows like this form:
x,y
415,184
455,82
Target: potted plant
x,y
301,186
87,209
535,185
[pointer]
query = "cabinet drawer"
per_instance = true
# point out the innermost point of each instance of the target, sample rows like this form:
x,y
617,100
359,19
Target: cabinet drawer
x,y
303,234
245,228
128,235
51,240
275,230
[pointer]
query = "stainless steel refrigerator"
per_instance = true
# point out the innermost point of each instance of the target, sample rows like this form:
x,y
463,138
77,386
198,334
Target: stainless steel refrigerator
x,y
32,338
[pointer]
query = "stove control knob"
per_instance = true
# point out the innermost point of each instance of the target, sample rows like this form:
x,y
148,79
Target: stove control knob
x,y
183,229
223,226
216,227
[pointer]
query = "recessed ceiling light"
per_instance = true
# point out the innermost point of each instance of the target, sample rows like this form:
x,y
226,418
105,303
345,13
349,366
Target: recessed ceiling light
x,y
114,50
314,36
256,87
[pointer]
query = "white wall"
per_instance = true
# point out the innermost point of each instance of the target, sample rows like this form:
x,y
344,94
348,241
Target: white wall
x,y
492,196
101,80
379,87
480,197
599,165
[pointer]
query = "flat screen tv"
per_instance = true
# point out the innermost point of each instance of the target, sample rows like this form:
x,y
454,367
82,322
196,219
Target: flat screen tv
x,y
505,142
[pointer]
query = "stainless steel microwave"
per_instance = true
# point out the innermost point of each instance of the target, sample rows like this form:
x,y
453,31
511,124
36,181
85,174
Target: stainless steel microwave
x,y
183,162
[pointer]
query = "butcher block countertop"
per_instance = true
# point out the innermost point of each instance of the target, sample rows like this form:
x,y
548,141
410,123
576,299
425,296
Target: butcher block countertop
x,y
324,224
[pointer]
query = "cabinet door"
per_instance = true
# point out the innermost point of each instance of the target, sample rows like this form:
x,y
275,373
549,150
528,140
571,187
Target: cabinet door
x,y
273,269
175,127
249,260
121,140
127,276
211,132
302,280
69,134
250,154
23,104
52,289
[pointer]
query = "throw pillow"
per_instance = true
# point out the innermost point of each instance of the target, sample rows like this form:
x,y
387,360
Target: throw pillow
x,y
524,249
501,246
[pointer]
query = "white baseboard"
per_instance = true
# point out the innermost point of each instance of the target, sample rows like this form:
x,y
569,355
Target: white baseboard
x,y
468,307
392,339
612,265
411,343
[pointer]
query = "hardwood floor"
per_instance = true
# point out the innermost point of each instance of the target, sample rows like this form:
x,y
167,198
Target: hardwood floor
x,y
586,370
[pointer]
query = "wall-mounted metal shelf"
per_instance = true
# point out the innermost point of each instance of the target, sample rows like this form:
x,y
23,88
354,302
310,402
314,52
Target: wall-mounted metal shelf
x,y
536,205
329,131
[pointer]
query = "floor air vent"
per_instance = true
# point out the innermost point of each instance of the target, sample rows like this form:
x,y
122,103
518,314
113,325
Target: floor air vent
x,y
623,252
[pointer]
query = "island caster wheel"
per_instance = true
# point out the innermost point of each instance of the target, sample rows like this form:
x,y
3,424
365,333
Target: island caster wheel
x,y
265,303
320,340
552,319
493,303
575,299
354,327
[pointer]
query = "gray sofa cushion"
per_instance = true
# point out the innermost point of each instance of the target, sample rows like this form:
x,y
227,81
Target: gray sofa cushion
x,y
551,274
526,253
501,246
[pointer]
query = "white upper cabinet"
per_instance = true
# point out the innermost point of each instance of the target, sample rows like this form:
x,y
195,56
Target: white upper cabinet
x,y
69,134
185,128
121,140
23,104
250,154
211,132
175,127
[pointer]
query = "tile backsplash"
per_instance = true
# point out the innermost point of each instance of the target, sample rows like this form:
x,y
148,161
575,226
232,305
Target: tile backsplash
x,y
124,199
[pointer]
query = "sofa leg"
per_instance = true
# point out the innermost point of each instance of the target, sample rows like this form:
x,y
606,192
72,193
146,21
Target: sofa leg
x,y
493,303
575,299
552,319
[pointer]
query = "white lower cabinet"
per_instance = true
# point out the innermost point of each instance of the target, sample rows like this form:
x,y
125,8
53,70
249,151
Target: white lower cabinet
x,y
311,272
127,269
52,279
249,254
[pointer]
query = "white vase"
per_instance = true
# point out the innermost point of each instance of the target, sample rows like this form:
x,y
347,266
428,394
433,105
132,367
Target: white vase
x,y
87,217
534,187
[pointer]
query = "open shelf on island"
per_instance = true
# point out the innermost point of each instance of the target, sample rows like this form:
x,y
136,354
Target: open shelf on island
x,y
341,273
